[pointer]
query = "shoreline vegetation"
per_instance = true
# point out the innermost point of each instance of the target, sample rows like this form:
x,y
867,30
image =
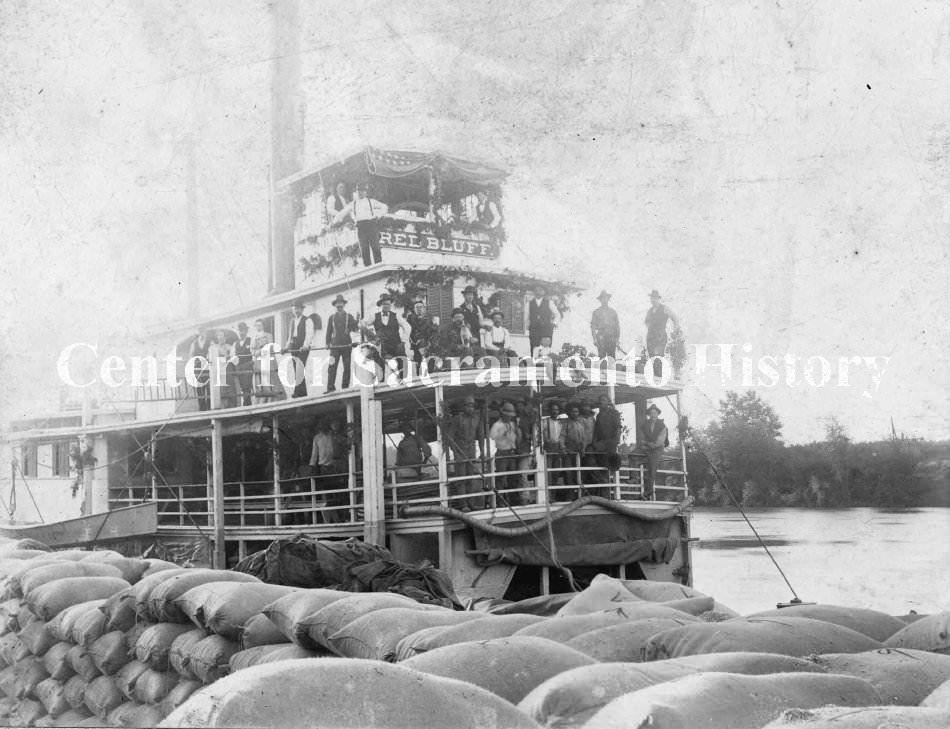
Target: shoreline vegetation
x,y
745,444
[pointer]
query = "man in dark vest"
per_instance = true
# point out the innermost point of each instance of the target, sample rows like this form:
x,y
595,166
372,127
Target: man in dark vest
x,y
298,345
486,211
654,439
389,330
541,317
472,311
336,201
607,428
339,342
605,328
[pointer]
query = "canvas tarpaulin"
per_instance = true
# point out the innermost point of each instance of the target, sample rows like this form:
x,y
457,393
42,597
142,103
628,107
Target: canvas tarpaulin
x,y
351,565
583,541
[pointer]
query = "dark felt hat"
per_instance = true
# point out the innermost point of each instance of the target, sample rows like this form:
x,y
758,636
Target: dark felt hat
x,y
604,295
456,310
383,297
339,300
654,408
470,289
655,294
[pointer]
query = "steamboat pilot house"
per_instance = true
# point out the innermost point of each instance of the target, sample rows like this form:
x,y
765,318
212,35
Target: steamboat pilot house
x,y
203,472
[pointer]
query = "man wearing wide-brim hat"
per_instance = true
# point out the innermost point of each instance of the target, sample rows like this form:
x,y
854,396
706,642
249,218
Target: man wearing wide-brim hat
x,y
390,331
455,338
463,433
654,438
605,327
505,434
299,342
542,317
658,315
473,312
340,326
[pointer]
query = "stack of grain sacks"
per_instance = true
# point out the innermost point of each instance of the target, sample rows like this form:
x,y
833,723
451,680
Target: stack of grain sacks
x,y
97,639
619,654
55,641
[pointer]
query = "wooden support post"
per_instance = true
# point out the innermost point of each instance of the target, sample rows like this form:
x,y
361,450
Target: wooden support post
x,y
545,580
682,446
443,464
152,446
217,486
622,571
445,534
351,462
275,456
374,494
541,464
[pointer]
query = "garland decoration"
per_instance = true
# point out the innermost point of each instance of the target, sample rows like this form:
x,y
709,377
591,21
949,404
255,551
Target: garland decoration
x,y
404,283
333,259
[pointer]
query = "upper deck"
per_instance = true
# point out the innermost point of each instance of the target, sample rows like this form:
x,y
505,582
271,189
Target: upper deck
x,y
428,209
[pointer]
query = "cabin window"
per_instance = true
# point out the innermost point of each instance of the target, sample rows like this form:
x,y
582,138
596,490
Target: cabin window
x,y
512,308
28,460
60,460
439,302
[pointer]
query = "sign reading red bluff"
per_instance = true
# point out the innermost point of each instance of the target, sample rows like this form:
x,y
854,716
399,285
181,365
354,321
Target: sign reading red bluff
x,y
434,244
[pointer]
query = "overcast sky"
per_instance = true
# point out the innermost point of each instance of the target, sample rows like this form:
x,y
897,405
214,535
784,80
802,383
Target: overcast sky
x,y
779,171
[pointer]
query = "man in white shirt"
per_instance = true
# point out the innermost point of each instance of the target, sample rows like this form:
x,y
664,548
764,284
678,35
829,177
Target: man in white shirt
x,y
497,339
322,451
504,432
299,341
365,211
553,438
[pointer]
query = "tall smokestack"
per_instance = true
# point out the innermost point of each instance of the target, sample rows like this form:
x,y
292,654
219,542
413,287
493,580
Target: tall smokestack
x,y
192,262
287,114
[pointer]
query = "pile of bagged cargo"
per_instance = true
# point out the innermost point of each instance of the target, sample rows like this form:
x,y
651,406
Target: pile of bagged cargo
x,y
93,638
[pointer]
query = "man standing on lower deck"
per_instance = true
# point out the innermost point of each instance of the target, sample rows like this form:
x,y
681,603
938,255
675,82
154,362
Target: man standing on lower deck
x,y
464,431
654,439
504,432
607,427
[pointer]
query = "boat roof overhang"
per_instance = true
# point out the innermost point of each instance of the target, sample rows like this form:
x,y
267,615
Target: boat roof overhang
x,y
399,401
458,176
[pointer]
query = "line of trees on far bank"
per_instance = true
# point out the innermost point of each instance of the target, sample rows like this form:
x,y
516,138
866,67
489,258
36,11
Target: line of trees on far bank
x,y
745,444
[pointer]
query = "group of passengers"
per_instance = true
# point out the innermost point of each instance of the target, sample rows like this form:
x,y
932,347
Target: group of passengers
x,y
358,208
581,449
238,359
471,333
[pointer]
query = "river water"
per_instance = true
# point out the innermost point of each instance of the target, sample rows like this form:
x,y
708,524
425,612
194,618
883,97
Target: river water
x,y
894,560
